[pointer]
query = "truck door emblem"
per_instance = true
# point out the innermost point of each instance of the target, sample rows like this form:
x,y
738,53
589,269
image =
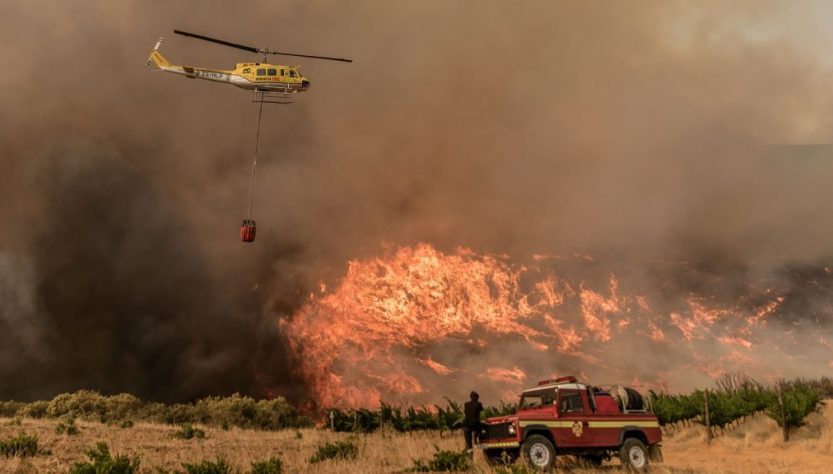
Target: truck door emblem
x,y
577,429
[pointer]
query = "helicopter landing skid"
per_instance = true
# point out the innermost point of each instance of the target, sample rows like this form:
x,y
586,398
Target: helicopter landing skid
x,y
270,97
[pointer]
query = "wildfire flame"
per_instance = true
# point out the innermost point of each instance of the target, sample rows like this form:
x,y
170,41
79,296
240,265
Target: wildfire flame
x,y
419,324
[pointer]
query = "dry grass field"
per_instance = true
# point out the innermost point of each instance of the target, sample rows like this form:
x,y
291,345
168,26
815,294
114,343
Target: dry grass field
x,y
754,446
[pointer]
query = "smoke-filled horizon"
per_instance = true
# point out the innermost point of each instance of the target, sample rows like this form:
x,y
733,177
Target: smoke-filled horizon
x,y
633,133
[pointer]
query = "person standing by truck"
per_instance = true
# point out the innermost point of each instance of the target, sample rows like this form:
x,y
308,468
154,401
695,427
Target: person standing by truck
x,y
471,421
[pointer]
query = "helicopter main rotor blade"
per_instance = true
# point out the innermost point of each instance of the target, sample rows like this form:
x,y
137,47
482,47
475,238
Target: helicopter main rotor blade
x,y
257,50
218,41
345,60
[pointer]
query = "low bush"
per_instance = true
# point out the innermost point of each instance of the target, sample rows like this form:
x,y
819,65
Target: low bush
x,y
247,412
19,446
9,409
34,409
102,462
448,417
220,466
126,424
122,406
444,461
800,400
67,427
189,432
726,407
179,413
271,466
16,421
502,409
234,410
516,469
83,403
675,408
337,450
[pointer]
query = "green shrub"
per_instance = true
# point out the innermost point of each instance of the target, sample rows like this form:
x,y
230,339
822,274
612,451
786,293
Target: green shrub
x,y
152,411
220,466
271,466
277,414
9,409
675,408
122,406
444,461
126,424
94,406
337,450
726,407
83,403
102,462
179,413
800,400
516,469
16,421
189,432
245,412
34,409
503,409
21,445
449,417
68,428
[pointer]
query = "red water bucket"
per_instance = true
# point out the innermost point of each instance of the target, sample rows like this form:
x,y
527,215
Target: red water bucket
x,y
248,230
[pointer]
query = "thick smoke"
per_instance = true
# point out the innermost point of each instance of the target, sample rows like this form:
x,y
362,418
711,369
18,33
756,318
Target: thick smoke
x,y
630,132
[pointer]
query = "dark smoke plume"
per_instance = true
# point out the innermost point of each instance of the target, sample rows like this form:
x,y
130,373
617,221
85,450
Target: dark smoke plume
x,y
126,301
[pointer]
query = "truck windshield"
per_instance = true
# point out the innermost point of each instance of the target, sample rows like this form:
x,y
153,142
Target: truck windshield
x,y
538,398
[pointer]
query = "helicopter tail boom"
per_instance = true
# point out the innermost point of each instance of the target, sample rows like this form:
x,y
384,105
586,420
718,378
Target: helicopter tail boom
x,y
157,58
160,61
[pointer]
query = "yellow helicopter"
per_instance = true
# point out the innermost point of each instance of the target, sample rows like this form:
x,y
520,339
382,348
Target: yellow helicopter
x,y
269,81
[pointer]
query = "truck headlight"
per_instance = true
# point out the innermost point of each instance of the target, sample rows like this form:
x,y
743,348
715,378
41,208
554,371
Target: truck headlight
x,y
511,429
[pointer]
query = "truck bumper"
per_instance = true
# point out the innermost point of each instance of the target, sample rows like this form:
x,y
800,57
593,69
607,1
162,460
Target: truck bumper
x,y
499,445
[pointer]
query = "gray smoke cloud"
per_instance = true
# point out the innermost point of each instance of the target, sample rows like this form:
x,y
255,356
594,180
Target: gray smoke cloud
x,y
631,132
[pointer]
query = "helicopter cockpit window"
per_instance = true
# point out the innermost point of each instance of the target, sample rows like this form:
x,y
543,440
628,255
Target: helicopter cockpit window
x,y
261,72
292,73
273,72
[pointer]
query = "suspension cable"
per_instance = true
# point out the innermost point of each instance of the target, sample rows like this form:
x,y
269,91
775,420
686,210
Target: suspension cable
x,y
254,159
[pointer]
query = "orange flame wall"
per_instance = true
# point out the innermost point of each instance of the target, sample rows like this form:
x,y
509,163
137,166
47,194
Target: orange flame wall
x,y
419,324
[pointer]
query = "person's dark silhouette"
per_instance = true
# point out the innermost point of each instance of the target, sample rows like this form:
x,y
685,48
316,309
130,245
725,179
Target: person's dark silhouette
x,y
471,421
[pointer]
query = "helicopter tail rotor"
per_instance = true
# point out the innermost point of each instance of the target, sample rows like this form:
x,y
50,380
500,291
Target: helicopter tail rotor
x,y
156,57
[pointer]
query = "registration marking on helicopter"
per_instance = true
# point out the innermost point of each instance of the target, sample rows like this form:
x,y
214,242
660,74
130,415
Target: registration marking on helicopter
x,y
211,74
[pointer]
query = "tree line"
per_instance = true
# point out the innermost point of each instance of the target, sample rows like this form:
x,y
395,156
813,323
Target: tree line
x,y
734,398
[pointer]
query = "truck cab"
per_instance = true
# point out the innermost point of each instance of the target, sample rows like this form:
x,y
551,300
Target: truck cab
x,y
564,416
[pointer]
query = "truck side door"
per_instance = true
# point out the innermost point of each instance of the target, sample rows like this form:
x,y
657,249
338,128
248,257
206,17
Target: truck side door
x,y
573,427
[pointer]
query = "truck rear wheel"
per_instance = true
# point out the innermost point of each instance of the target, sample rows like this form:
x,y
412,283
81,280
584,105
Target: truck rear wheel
x,y
634,455
538,452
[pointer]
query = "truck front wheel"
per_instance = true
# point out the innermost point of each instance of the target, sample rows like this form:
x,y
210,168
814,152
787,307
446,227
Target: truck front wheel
x,y
538,452
634,455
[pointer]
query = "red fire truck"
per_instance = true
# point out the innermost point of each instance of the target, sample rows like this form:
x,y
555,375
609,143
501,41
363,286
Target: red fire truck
x,y
566,417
